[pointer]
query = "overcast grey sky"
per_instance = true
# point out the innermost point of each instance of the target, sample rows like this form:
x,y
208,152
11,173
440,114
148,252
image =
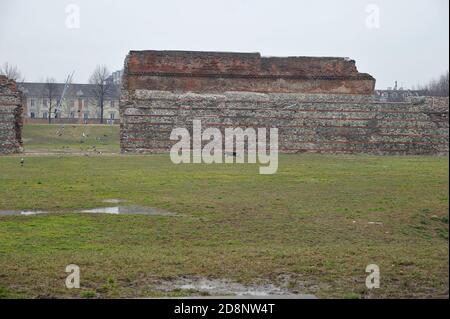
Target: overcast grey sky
x,y
409,42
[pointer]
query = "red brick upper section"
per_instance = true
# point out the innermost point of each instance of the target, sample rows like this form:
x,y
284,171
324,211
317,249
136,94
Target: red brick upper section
x,y
220,72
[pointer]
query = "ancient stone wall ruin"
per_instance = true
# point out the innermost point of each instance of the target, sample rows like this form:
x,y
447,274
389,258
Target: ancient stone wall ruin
x,y
318,113
10,117
215,72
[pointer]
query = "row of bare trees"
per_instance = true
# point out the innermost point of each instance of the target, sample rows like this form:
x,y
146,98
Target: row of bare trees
x,y
51,95
101,86
436,87
12,72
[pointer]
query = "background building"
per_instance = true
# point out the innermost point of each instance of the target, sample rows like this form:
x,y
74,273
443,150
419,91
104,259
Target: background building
x,y
399,95
116,77
80,104
396,94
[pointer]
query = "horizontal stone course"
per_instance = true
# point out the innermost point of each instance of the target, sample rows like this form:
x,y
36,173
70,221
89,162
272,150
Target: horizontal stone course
x,y
354,124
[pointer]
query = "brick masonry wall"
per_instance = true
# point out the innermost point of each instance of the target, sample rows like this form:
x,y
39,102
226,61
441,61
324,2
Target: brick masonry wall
x,y
320,123
10,117
218,72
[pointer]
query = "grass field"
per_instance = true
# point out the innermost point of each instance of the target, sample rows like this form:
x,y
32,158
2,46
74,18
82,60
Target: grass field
x,y
69,138
311,223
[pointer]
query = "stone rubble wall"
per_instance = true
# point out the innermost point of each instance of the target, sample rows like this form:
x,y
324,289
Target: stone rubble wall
x,y
11,120
319,123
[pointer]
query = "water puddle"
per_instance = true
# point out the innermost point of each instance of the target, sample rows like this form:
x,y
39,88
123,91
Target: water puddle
x,y
222,287
130,210
375,223
20,213
28,213
113,201
116,210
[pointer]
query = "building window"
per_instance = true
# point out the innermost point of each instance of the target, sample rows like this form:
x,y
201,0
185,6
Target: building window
x,y
32,115
112,116
72,115
44,115
57,114
86,115
72,103
113,103
80,103
45,102
32,103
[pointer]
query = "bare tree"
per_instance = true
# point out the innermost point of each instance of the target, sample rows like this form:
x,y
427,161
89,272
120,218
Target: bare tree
x,y
11,72
51,95
436,87
102,86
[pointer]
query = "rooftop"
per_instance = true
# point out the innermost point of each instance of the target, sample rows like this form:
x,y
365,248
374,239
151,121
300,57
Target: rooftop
x,y
39,89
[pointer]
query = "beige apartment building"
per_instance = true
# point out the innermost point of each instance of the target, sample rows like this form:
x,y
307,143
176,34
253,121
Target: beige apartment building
x,y
79,105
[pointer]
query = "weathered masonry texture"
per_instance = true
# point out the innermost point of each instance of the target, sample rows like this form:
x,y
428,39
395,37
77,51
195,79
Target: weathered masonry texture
x,y
328,107
10,117
216,72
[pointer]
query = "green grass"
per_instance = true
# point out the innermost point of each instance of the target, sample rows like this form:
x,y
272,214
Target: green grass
x,y
308,222
68,138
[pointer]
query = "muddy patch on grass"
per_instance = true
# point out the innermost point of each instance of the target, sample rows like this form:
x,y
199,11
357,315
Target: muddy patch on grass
x,y
222,287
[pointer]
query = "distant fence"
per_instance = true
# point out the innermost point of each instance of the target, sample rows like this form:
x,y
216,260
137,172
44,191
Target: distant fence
x,y
70,121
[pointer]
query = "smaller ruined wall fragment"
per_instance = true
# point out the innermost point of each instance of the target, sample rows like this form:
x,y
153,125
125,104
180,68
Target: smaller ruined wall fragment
x,y
10,117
